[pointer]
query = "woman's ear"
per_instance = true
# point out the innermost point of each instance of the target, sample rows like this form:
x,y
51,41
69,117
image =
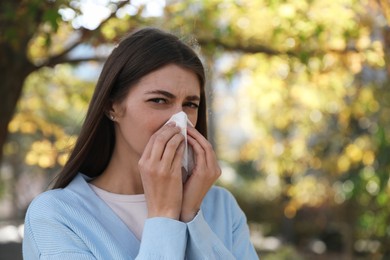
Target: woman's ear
x,y
111,116
110,111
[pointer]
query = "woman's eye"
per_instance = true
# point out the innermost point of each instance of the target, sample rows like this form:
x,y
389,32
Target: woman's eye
x,y
192,105
158,100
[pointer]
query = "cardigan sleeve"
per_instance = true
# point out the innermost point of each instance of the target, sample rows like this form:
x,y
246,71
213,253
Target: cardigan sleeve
x,y
204,243
163,239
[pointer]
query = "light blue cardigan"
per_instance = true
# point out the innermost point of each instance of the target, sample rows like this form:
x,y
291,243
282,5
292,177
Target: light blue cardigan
x,y
74,223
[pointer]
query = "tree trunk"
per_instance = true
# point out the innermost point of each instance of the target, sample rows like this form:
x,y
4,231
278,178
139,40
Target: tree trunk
x,y
386,37
14,69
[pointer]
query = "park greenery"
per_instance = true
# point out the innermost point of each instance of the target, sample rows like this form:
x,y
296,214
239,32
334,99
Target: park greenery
x,y
299,95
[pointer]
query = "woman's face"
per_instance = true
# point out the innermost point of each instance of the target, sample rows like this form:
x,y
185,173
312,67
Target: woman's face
x,y
151,102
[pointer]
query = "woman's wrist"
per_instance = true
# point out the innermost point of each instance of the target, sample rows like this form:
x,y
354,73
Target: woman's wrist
x,y
187,216
172,214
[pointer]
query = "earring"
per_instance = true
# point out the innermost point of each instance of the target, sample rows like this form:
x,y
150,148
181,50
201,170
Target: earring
x,y
112,117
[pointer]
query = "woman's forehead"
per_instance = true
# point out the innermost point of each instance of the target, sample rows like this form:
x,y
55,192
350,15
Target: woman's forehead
x,y
171,78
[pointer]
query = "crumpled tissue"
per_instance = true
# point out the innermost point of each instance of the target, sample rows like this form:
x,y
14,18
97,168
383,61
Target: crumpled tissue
x,y
187,162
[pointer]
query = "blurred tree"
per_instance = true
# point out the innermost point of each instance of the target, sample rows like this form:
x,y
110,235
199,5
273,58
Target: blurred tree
x,y
308,105
33,35
43,131
304,84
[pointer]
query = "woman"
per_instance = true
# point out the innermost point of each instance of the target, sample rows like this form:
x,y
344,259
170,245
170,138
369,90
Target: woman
x,y
121,193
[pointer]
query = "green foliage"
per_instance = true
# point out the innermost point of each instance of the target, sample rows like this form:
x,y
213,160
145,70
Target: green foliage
x,y
304,79
301,85
49,117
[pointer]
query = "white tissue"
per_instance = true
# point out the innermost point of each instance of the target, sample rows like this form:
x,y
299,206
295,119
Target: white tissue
x,y
187,162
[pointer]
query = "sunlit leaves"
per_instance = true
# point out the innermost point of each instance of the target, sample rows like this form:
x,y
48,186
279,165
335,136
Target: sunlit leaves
x,y
46,44
309,106
301,96
41,154
52,17
21,20
49,117
308,191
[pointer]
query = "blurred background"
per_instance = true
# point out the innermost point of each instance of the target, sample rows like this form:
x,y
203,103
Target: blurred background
x,y
299,109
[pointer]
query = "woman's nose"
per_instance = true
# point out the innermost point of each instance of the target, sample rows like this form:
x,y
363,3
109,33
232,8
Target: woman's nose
x,y
177,109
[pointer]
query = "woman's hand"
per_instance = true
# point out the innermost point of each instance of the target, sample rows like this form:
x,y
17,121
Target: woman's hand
x,y
160,169
206,171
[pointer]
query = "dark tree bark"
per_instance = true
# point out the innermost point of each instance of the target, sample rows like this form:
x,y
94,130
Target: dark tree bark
x,y
19,22
17,28
14,69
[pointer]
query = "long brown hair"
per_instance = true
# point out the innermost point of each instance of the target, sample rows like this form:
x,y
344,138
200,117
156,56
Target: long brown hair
x,y
137,55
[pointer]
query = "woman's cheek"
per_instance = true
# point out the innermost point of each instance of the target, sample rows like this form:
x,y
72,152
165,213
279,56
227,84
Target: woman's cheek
x,y
193,120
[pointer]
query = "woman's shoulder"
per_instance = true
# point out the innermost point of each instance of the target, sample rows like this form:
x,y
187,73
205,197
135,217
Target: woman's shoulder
x,y
218,195
51,202
220,207
59,198
220,192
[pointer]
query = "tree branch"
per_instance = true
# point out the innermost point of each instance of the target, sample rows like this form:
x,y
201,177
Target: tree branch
x,y
267,50
244,48
85,35
76,60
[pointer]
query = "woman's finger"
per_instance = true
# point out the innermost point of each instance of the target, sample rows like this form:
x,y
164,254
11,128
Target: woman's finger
x,y
170,152
149,146
156,145
198,151
208,150
176,163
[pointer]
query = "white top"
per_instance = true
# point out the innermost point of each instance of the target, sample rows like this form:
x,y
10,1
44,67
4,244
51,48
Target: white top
x,y
131,209
218,231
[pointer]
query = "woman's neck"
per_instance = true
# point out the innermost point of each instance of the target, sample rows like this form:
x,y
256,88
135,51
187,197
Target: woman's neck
x,y
121,175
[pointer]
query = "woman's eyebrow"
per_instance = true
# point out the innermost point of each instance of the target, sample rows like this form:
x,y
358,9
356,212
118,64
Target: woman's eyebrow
x,y
193,98
161,92
170,95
